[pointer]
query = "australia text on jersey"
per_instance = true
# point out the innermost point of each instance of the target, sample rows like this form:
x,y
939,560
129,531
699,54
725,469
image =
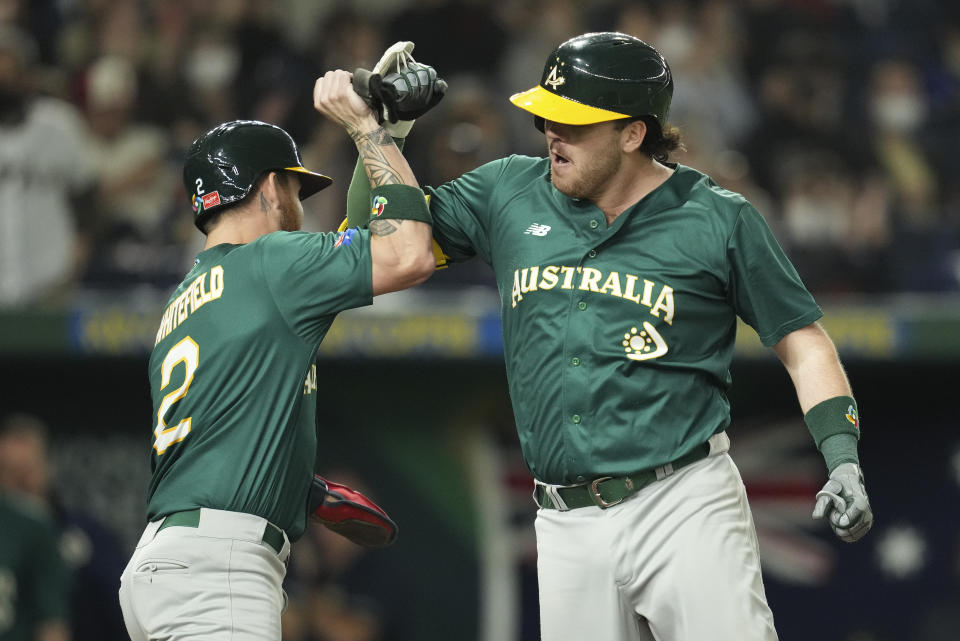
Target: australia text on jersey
x,y
195,296
588,279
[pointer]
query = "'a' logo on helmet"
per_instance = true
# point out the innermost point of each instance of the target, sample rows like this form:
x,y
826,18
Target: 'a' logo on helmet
x,y
554,79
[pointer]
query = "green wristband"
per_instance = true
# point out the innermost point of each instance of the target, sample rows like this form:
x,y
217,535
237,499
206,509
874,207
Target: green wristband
x,y
399,202
837,415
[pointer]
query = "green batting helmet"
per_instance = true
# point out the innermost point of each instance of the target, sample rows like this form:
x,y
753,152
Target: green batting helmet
x,y
598,77
224,164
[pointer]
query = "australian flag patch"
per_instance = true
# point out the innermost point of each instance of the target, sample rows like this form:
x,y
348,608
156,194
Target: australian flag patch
x,y
345,237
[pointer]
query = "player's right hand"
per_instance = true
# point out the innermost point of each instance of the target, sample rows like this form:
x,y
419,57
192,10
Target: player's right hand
x,y
335,98
843,500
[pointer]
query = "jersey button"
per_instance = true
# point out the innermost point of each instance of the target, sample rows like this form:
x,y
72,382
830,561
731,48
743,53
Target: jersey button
x,y
575,418
581,306
592,253
594,223
575,361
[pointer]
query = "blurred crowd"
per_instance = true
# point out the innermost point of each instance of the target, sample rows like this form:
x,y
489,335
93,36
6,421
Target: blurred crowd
x,y
838,119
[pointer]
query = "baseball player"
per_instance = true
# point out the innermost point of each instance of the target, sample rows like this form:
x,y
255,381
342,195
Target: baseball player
x,y
621,277
34,578
233,374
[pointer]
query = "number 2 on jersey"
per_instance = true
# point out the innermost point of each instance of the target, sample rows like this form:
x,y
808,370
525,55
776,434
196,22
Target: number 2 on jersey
x,y
187,352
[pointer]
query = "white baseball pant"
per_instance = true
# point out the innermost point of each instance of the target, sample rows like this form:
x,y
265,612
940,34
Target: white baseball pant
x,y
676,561
217,581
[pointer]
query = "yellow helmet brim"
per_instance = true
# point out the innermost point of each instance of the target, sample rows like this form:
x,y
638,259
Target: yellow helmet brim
x,y
549,106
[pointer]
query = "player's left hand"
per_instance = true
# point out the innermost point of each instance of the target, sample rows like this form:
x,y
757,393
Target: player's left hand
x,y
350,514
843,500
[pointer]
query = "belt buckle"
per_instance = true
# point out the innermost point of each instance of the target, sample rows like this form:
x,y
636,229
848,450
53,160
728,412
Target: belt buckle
x,y
595,493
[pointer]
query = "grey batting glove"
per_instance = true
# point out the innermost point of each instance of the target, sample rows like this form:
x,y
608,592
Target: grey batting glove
x,y
843,500
394,60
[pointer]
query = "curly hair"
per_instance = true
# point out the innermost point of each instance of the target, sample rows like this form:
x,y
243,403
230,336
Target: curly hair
x,y
658,143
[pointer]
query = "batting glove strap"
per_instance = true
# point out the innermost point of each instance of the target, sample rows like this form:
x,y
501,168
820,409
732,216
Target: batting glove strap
x,y
844,502
350,514
838,449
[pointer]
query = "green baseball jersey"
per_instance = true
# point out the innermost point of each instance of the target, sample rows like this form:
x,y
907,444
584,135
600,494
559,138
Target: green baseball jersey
x,y
233,373
618,339
34,581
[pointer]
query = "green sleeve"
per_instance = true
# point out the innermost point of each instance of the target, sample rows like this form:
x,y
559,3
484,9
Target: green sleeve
x,y
358,193
765,289
312,277
358,198
465,209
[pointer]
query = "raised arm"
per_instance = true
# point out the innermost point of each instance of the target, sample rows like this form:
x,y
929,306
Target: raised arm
x,y
400,232
417,89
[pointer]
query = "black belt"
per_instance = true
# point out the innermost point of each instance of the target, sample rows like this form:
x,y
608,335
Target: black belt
x,y
272,535
610,490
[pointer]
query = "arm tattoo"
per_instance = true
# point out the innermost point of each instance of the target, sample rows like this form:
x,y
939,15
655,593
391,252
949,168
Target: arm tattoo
x,y
375,164
378,136
384,227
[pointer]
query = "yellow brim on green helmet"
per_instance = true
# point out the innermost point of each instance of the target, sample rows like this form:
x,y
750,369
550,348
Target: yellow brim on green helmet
x,y
549,106
597,77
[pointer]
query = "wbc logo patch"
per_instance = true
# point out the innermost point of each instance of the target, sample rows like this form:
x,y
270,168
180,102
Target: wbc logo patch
x,y
379,203
345,238
851,416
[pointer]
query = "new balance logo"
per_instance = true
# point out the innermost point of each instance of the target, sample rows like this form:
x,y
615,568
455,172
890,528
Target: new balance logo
x,y
536,229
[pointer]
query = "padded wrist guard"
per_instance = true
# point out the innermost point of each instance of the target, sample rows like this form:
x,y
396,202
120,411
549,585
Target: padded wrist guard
x,y
350,514
838,449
